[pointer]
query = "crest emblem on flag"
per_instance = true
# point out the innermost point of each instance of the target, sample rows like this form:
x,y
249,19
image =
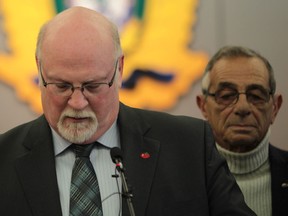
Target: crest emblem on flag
x,y
156,36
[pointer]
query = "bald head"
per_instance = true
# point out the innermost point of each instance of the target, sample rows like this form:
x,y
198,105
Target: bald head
x,y
79,49
77,29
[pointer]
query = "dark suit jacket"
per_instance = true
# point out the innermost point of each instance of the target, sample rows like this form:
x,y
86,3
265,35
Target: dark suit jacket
x,y
183,176
279,175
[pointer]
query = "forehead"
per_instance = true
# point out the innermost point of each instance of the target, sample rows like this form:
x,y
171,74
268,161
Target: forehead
x,y
240,71
92,41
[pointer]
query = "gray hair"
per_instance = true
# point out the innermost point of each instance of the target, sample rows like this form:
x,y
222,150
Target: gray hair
x,y
234,52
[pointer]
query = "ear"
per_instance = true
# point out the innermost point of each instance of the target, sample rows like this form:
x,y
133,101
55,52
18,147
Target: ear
x,y
37,61
120,70
38,67
201,101
121,64
277,103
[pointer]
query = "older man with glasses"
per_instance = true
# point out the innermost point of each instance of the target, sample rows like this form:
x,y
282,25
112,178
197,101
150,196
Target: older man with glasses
x,y
239,100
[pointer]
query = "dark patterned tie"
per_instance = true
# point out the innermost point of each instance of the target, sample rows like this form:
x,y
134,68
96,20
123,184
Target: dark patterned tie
x,y
85,199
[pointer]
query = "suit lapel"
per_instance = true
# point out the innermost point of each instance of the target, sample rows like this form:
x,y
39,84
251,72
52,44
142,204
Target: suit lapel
x,y
36,171
140,155
37,174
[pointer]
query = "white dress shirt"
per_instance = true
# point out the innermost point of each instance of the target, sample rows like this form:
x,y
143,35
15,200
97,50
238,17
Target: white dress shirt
x,y
103,166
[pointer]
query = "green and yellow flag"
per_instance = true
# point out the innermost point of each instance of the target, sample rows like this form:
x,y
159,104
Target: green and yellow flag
x,y
156,38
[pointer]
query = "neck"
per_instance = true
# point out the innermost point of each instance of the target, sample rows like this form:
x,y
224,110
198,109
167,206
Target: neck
x,y
248,161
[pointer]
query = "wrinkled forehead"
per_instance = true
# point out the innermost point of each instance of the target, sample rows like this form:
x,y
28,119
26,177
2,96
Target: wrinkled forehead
x,y
240,72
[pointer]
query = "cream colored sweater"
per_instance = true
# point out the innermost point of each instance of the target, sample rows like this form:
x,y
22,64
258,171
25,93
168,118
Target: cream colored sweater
x,y
252,173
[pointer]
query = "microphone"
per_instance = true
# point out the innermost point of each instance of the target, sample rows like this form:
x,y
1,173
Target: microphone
x,y
117,157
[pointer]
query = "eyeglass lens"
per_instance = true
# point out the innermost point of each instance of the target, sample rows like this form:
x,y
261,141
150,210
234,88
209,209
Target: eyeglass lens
x,y
253,96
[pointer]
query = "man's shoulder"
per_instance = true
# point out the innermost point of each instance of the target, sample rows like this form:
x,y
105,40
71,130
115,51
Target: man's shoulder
x,y
277,154
162,117
17,140
21,130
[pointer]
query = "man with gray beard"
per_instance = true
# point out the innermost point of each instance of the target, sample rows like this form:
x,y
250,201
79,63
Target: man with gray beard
x,y
59,164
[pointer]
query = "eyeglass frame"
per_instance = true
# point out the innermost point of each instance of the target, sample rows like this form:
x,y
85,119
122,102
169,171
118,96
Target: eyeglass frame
x,y
206,93
82,87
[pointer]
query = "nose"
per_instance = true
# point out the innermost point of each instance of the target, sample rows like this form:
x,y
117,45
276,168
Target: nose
x,y
77,100
242,107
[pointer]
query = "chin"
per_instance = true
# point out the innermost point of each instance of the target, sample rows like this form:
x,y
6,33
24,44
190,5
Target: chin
x,y
77,133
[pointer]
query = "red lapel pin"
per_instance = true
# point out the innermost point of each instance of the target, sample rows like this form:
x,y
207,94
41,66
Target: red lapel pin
x,y
145,155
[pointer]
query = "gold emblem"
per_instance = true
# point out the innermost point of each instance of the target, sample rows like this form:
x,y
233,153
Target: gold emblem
x,y
159,65
20,25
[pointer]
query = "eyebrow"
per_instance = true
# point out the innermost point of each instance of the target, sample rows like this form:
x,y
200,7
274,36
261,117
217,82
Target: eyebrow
x,y
223,85
258,87
63,80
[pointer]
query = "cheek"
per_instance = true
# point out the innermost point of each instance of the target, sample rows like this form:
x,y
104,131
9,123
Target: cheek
x,y
99,105
52,108
104,106
218,118
213,114
263,117
260,112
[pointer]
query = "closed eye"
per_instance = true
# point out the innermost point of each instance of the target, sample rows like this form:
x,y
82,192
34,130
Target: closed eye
x,y
93,87
62,86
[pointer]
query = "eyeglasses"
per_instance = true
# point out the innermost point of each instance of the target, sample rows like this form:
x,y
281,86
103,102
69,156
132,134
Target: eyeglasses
x,y
229,97
88,89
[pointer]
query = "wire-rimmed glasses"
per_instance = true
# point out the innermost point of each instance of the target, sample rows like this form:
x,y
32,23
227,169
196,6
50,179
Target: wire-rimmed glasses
x,y
66,89
229,97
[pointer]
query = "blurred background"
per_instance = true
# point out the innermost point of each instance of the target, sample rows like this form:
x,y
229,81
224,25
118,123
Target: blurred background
x,y
166,44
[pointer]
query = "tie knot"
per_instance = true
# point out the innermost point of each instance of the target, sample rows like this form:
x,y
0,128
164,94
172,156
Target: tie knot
x,y
82,150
